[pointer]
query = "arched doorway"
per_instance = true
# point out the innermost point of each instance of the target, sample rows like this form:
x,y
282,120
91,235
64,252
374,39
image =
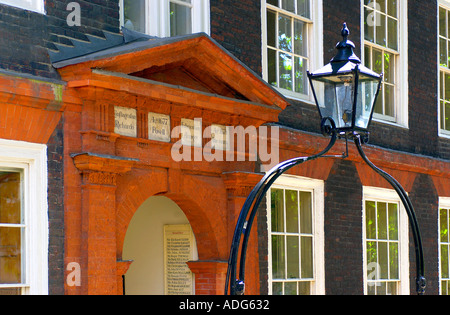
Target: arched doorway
x,y
158,240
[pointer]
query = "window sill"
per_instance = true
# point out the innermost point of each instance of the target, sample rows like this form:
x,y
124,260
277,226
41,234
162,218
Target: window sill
x,y
390,123
443,134
39,9
296,96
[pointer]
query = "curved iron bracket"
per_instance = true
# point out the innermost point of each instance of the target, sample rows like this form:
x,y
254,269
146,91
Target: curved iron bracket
x,y
250,208
420,279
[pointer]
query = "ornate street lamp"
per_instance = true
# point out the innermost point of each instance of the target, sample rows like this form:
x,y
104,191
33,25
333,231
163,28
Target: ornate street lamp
x,y
345,93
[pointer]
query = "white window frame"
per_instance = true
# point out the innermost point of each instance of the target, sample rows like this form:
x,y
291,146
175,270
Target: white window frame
x,y
316,187
401,71
315,45
157,17
388,195
445,5
31,159
444,203
30,5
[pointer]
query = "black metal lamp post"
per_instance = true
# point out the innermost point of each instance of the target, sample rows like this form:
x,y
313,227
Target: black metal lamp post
x,y
345,93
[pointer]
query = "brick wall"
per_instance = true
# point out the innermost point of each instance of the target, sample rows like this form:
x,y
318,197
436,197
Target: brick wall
x,y
426,202
236,25
343,231
22,42
55,150
25,36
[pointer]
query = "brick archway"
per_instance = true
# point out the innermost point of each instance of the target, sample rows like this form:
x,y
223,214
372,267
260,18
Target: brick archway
x,y
135,188
207,219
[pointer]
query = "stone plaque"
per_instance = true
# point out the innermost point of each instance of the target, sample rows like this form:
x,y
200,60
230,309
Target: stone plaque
x,y
159,127
178,250
219,137
125,121
191,132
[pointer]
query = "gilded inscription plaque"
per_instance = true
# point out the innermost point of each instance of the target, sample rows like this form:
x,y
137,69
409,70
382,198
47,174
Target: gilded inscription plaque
x,y
159,127
125,121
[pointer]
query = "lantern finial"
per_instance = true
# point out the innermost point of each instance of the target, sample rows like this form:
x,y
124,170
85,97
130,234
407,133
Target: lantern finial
x,y
345,48
345,32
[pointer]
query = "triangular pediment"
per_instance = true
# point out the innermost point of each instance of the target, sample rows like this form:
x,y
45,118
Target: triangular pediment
x,y
194,61
190,74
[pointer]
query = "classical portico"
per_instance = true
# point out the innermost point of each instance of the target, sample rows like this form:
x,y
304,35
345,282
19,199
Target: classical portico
x,y
118,153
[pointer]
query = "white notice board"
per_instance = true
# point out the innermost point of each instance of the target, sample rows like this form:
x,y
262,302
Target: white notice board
x,y
178,249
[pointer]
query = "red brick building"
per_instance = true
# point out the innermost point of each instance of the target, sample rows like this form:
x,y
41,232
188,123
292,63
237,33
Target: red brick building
x,y
109,183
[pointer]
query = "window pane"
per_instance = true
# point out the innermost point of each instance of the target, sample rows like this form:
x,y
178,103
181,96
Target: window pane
x,y
293,259
444,262
285,71
307,258
292,211
369,23
443,52
272,67
370,220
372,259
381,29
306,212
379,103
134,15
447,116
10,198
381,288
304,288
277,213
389,100
367,57
444,290
377,61
442,22
381,5
180,20
393,261
290,288
447,87
371,289
284,33
389,67
383,260
10,255
301,78
303,8
393,221
444,225
278,257
448,25
392,34
382,222
277,288
288,5
392,288
442,115
271,29
392,8
273,2
300,47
